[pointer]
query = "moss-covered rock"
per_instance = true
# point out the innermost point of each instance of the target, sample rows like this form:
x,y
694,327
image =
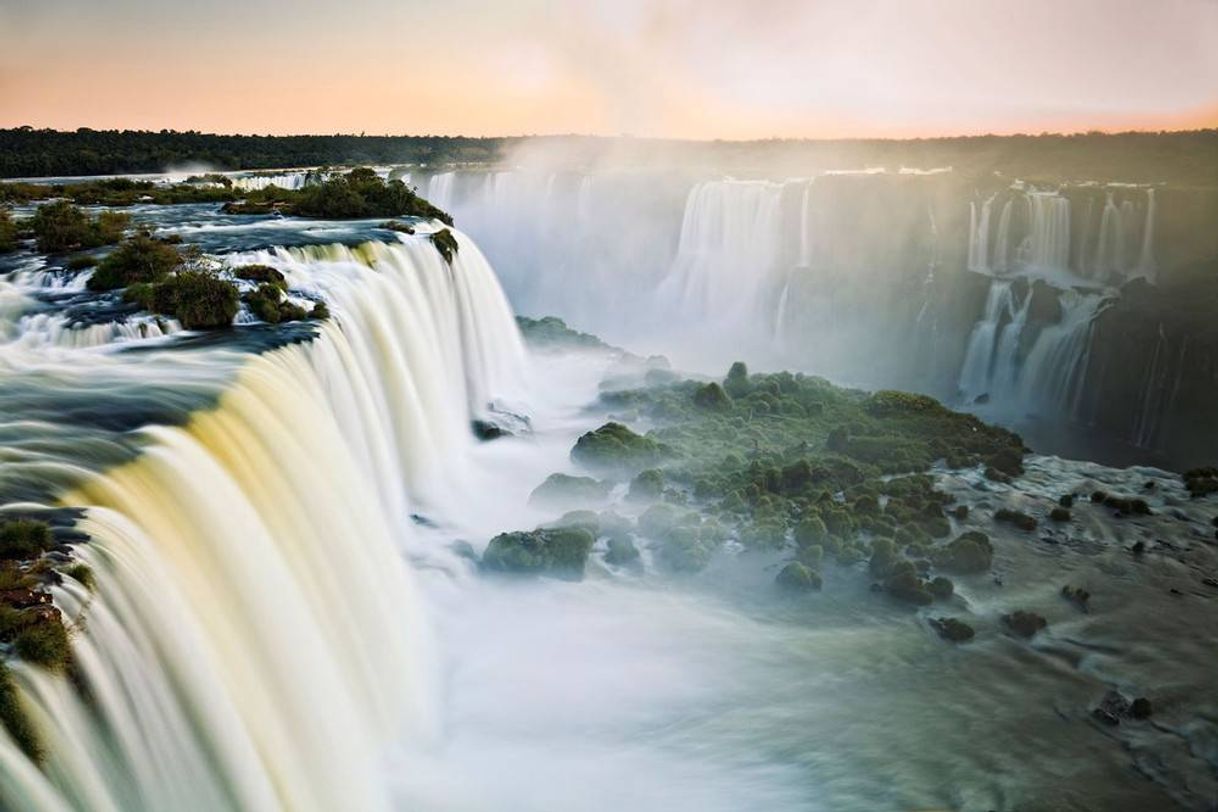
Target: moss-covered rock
x,y
262,274
796,577
712,396
564,490
560,552
615,449
621,550
1016,519
970,552
1025,624
951,629
647,486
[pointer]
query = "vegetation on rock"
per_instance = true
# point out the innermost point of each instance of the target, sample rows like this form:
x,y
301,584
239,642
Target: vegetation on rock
x,y
61,226
445,243
560,552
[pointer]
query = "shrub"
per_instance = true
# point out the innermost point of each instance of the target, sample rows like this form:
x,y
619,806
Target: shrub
x,y
83,574
140,258
24,538
8,232
263,274
199,299
44,643
60,226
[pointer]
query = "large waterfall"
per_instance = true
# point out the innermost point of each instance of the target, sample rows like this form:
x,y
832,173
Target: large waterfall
x,y
254,640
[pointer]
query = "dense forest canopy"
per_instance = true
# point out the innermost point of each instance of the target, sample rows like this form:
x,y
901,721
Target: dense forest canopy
x,y
1189,158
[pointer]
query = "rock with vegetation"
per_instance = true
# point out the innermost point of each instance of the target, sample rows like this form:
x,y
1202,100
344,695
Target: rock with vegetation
x,y
9,232
561,552
552,332
268,303
446,244
1016,519
60,226
564,490
951,629
647,486
139,258
615,449
262,274
796,577
1201,481
969,553
1024,624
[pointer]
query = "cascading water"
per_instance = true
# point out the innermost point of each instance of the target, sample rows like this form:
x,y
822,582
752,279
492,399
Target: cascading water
x,y
254,641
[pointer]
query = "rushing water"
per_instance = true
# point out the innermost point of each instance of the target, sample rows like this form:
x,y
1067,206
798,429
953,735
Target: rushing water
x,y
283,618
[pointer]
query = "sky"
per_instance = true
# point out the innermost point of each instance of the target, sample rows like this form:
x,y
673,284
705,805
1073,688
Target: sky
x,y
732,69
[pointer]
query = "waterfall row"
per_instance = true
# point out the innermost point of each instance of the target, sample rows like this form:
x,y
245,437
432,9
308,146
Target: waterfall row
x,y
1024,363
254,641
1105,236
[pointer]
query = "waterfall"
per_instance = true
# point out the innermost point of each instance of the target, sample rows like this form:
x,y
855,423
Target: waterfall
x,y
728,252
254,641
440,189
979,235
1047,246
1146,257
982,343
1002,249
1051,376
284,180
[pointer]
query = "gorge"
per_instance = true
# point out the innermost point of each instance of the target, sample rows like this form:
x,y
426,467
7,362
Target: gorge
x,y
431,548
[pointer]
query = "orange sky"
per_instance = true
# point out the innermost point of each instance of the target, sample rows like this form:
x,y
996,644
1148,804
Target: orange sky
x,y
676,68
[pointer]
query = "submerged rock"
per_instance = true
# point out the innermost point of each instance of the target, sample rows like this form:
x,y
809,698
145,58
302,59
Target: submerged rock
x,y
1024,624
951,629
562,490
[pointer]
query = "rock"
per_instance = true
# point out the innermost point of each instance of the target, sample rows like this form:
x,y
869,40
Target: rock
x,y
1013,517
486,430
562,490
1138,548
982,399
1114,707
1201,481
1024,624
22,598
614,448
1076,595
1140,708
994,475
647,486
905,585
1060,514
960,512
1007,460
561,552
796,577
955,631
622,550
942,588
1066,501
712,396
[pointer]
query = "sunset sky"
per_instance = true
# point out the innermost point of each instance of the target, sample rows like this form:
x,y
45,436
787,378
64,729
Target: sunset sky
x,y
672,68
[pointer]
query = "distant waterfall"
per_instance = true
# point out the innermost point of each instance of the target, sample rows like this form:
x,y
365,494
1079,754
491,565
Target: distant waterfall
x,y
1019,375
727,260
254,641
